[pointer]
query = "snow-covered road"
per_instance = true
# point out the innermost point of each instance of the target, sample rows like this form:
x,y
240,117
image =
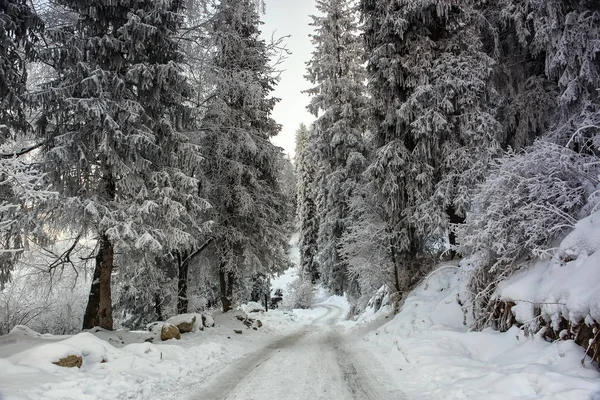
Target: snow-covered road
x,y
317,362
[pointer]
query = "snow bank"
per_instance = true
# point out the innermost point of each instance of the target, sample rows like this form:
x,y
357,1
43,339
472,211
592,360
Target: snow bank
x,y
252,307
22,338
565,286
120,365
585,238
428,346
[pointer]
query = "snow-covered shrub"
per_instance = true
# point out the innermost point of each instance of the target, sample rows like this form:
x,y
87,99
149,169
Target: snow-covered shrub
x,y
372,259
365,246
44,303
528,200
300,294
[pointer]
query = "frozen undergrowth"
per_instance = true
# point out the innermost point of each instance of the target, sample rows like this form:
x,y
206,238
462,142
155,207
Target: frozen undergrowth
x,y
564,286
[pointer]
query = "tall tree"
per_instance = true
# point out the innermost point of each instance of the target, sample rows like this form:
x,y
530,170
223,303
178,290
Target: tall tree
x,y
339,103
114,117
19,182
306,165
433,122
241,164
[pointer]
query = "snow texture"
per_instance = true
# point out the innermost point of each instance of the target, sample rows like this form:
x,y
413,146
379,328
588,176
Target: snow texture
x,y
563,286
436,357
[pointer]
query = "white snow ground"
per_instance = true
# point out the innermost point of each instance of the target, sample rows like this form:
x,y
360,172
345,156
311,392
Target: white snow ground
x,y
425,352
434,356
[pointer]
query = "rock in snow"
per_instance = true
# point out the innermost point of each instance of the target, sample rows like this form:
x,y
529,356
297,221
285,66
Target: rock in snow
x,y
71,361
184,322
169,331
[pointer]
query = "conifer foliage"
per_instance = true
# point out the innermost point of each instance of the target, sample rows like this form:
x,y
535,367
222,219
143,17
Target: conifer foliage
x,y
241,164
114,117
19,183
339,103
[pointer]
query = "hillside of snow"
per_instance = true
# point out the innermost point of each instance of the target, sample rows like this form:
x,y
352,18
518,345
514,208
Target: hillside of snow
x,y
430,347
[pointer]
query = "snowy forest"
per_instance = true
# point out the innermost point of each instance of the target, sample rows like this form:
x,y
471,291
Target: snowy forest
x,y
138,179
136,152
447,129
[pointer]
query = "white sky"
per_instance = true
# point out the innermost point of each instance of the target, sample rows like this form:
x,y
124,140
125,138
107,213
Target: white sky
x,y
291,17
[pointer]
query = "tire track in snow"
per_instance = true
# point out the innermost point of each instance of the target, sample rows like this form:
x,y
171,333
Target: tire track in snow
x,y
312,364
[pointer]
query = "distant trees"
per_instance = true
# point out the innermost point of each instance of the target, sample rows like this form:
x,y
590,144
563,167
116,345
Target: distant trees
x,y
307,165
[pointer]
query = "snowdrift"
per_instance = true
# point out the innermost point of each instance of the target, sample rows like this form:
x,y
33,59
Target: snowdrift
x,y
429,346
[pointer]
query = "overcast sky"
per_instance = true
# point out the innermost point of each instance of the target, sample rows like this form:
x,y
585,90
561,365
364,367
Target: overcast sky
x,y
291,17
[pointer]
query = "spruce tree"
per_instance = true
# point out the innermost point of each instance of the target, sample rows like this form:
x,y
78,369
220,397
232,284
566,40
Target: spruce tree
x,y
306,164
19,182
114,117
339,103
19,30
434,124
241,164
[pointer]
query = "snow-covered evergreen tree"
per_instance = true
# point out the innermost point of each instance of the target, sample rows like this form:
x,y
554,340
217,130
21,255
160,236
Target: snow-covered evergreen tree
x,y
339,103
19,30
241,164
527,97
306,163
433,120
567,35
20,182
114,117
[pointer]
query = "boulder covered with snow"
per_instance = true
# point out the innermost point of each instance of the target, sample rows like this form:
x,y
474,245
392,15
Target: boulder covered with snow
x,y
185,322
68,353
207,320
169,331
155,327
252,307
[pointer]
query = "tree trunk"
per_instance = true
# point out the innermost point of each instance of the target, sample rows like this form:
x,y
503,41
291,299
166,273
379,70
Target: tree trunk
x,y
99,308
158,307
454,219
182,284
226,280
183,267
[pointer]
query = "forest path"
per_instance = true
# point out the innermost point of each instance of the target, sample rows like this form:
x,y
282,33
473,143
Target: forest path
x,y
316,363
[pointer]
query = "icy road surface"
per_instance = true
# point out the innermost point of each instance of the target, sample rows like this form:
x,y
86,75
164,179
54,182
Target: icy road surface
x,y
315,363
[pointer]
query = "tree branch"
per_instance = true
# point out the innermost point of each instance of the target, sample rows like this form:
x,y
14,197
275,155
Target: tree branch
x,y
23,151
